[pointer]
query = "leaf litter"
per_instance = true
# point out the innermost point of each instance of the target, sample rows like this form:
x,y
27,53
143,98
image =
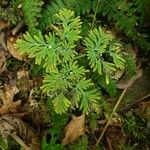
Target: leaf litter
x,y
11,48
6,96
20,131
2,61
74,129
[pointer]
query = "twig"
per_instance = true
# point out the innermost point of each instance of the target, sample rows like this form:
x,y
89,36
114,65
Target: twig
x,y
19,141
94,18
139,100
109,120
117,104
134,103
17,28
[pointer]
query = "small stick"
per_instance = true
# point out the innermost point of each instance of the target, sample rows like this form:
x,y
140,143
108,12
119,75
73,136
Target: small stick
x,y
17,28
19,141
139,100
135,102
94,18
117,104
109,120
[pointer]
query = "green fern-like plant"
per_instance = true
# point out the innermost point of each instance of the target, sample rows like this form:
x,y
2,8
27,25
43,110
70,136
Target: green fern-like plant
x,y
122,12
53,49
31,10
142,9
48,13
127,16
3,145
103,53
80,144
119,11
66,81
52,144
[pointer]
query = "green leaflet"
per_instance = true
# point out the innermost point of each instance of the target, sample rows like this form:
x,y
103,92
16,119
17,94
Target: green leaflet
x,y
40,49
61,103
89,97
100,50
63,79
85,95
71,26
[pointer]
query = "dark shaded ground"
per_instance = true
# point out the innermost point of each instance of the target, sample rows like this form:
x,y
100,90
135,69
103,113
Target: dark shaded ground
x,y
139,89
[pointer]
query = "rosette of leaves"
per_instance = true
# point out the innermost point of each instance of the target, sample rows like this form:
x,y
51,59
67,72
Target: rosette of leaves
x,y
70,88
65,80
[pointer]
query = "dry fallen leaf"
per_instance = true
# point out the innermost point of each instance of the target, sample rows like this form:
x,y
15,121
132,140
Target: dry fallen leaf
x,y
114,137
2,61
20,131
144,109
7,95
11,48
23,74
114,133
144,105
74,129
3,24
23,82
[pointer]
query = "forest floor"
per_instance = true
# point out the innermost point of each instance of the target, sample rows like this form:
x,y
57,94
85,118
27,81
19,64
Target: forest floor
x,y
26,119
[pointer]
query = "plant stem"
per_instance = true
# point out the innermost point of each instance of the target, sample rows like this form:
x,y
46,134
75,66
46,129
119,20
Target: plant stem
x,y
109,120
19,141
94,18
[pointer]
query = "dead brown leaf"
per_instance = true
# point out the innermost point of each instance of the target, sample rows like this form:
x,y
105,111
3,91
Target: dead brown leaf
x,y
11,48
114,137
2,61
114,134
7,95
74,129
23,74
24,83
144,105
3,24
144,110
20,131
